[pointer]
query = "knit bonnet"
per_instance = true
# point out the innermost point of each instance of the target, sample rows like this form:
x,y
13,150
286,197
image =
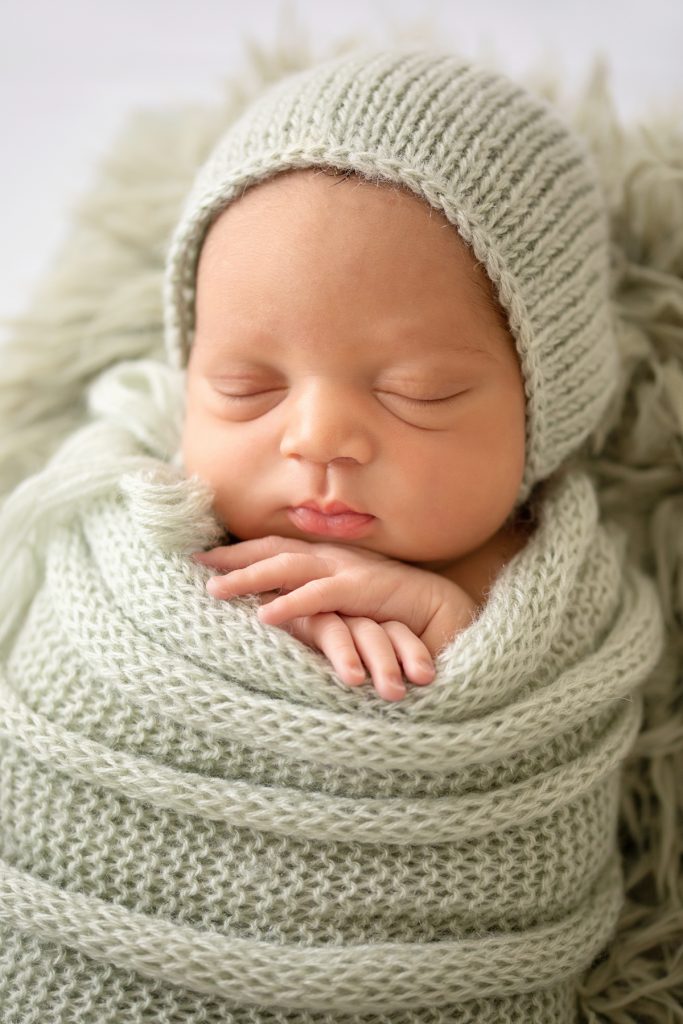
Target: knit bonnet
x,y
497,161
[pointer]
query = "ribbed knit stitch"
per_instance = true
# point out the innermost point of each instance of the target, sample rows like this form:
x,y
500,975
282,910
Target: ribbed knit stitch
x,y
100,304
498,162
198,823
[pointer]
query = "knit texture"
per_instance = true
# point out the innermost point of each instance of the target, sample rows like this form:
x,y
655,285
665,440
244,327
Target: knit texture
x,y
100,304
501,165
193,804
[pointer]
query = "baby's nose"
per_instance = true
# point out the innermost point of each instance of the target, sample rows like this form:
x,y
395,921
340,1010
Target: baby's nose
x,y
324,426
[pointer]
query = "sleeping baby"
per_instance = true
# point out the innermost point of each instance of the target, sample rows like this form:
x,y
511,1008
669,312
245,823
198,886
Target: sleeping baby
x,y
369,313
389,333
356,403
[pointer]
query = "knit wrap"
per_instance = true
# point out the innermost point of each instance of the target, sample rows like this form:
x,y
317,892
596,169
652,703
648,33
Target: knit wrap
x,y
200,823
498,162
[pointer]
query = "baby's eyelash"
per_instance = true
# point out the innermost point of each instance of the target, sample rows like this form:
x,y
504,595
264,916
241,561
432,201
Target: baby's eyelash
x,y
422,402
404,398
243,398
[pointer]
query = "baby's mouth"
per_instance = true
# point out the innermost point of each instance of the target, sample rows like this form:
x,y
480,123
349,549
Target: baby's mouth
x,y
329,508
346,524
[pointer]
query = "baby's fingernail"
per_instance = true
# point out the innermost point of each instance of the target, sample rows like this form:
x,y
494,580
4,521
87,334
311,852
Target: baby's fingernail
x,y
395,689
355,674
213,585
198,556
426,668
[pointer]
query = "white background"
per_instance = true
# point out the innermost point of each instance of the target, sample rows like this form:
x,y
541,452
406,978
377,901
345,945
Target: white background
x,y
70,70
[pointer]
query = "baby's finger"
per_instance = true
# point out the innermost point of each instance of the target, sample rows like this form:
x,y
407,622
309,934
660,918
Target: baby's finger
x,y
411,652
377,654
322,594
244,552
286,571
330,634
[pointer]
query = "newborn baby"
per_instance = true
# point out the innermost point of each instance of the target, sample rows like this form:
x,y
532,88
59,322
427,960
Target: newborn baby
x,y
355,400
387,311
391,302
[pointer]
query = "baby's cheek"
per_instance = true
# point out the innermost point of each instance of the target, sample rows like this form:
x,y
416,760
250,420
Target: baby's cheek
x,y
200,449
222,464
189,447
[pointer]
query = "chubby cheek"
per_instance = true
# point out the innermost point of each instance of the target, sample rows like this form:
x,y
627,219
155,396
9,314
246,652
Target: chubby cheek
x,y
230,465
206,454
196,448
417,489
463,486
493,470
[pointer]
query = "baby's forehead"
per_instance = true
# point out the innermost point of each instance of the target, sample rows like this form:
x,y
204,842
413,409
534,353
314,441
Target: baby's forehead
x,y
311,183
390,201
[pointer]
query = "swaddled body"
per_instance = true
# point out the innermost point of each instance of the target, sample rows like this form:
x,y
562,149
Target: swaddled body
x,y
432,331
203,823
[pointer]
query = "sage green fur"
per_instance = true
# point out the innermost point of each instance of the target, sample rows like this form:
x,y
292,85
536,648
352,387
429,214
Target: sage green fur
x,y
126,755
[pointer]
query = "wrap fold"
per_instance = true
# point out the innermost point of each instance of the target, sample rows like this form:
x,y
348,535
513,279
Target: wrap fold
x,y
199,822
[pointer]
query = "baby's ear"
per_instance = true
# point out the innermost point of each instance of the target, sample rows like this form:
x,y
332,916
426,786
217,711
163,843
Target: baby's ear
x,y
172,511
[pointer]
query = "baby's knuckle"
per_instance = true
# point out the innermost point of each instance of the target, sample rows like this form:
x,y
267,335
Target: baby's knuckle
x,y
334,628
288,559
392,626
330,566
304,626
319,587
363,626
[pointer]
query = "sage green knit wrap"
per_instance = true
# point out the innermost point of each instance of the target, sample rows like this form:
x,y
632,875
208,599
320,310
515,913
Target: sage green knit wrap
x,y
199,823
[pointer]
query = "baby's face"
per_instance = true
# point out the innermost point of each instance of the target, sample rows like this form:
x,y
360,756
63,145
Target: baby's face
x,y
347,350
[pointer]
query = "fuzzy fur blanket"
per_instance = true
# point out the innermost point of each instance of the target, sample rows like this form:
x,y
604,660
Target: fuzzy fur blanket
x,y
196,821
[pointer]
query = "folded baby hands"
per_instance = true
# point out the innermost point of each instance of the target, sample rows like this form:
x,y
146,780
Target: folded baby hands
x,y
362,609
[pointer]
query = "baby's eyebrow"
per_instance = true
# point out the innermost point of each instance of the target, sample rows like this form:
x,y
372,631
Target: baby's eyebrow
x,y
475,350
446,355
399,343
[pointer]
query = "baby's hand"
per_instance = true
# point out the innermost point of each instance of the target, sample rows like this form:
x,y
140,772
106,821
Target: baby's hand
x,y
354,643
381,605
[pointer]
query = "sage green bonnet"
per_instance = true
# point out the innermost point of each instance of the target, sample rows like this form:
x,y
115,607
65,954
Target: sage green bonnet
x,y
503,167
